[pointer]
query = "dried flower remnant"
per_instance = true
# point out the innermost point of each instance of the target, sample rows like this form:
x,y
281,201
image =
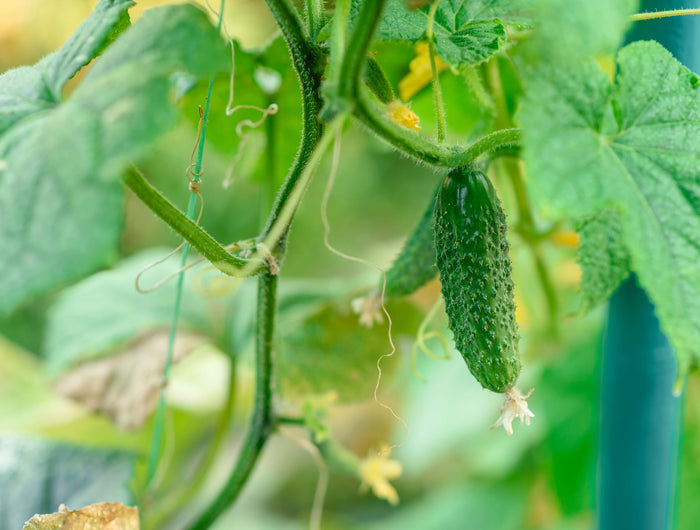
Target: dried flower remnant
x,y
514,406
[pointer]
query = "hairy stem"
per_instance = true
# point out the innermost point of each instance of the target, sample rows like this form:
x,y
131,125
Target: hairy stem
x,y
356,50
194,234
306,60
410,143
261,421
314,15
435,75
664,14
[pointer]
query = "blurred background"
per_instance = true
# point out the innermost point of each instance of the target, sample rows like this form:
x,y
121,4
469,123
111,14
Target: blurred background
x,y
75,437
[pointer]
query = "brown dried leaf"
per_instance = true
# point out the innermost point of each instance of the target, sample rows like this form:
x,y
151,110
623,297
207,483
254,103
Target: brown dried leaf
x,y
125,385
102,516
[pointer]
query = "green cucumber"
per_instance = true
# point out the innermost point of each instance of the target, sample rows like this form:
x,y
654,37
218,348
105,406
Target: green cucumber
x,y
415,265
474,265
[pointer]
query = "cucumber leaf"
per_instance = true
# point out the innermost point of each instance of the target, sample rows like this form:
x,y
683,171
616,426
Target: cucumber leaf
x,y
105,311
590,145
30,89
62,210
567,30
466,33
603,257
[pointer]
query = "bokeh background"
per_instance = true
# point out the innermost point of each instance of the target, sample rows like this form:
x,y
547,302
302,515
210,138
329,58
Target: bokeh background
x,y
457,473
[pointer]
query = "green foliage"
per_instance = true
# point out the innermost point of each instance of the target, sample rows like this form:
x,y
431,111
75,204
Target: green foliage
x,y
327,351
472,256
466,33
604,260
590,145
63,218
104,311
567,31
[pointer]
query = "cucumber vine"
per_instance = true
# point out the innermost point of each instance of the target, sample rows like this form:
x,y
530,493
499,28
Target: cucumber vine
x,y
564,142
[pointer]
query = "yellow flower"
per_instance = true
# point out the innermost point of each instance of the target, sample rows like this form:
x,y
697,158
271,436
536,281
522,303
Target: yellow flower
x,y
377,470
419,72
403,115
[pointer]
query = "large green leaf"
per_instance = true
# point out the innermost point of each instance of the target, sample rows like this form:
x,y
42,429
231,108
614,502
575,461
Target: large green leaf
x,y
590,145
603,257
566,30
105,311
62,217
466,33
30,89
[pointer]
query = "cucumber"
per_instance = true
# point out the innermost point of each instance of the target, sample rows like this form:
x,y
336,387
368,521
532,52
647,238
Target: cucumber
x,y
474,265
415,265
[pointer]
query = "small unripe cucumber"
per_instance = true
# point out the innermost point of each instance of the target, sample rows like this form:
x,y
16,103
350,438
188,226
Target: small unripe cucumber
x,y
415,265
474,265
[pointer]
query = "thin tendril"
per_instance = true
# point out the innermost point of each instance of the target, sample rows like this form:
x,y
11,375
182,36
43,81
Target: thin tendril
x,y
323,477
326,237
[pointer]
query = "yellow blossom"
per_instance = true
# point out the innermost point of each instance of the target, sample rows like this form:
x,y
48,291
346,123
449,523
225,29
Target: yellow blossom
x,y
377,470
419,72
403,115
566,238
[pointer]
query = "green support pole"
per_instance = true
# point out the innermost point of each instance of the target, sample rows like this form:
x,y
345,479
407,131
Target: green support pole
x,y
640,419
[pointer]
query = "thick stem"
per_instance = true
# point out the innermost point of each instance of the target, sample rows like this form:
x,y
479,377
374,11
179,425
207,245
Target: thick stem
x,y
314,15
307,63
194,234
356,50
261,421
664,14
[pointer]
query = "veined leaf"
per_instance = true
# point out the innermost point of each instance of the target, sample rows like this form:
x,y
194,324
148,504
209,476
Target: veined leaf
x,y
466,33
61,212
636,145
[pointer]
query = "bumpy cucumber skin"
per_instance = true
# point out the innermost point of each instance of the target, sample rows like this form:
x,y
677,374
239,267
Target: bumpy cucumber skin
x,y
475,268
416,264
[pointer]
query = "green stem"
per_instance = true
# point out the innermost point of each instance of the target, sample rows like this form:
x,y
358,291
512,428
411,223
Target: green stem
x,y
268,183
194,234
262,419
159,422
166,510
306,60
438,103
356,51
410,143
664,14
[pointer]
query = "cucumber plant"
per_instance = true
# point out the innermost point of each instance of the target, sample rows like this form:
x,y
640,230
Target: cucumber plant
x,y
574,129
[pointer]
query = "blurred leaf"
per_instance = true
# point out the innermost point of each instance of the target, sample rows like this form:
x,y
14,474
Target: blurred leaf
x,y
327,350
96,316
29,89
101,515
604,260
567,30
485,506
590,145
64,215
38,476
125,386
252,88
29,405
